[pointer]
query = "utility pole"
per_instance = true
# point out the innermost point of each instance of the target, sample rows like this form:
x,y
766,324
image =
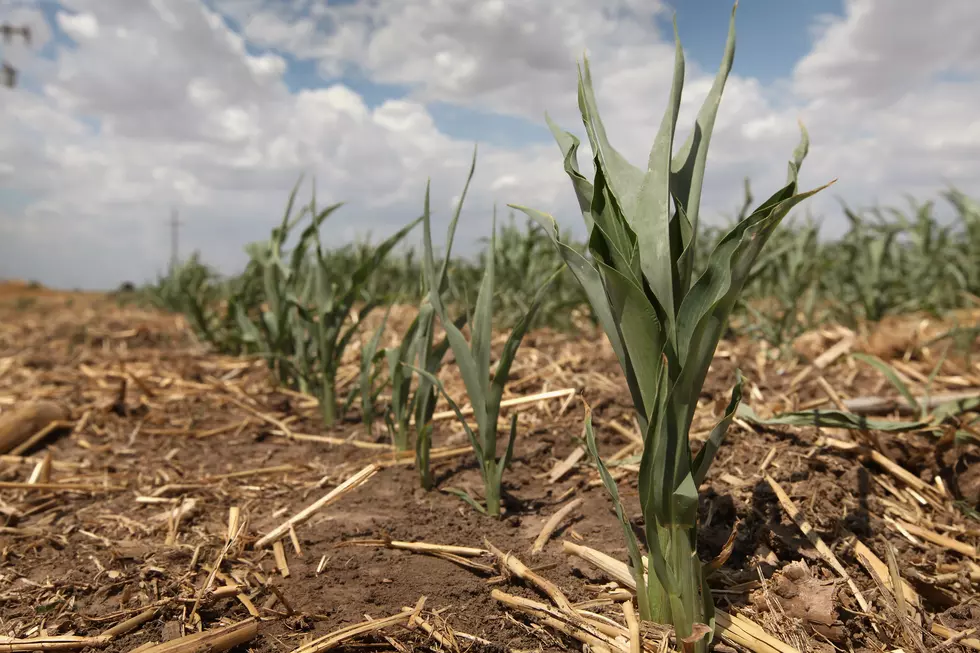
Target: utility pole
x,y
174,240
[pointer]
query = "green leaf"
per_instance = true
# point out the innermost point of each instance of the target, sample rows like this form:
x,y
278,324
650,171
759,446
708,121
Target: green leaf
x,y
632,545
309,233
509,452
830,418
368,267
569,145
250,333
439,283
587,275
624,178
689,162
339,340
892,377
644,337
707,453
369,358
511,345
963,437
954,407
474,441
481,328
613,240
474,378
467,498
651,220
705,310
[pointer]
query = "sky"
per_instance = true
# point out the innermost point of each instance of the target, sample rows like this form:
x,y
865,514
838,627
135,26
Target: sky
x,y
129,109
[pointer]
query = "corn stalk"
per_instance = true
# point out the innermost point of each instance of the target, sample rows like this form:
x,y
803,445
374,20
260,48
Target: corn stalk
x,y
663,324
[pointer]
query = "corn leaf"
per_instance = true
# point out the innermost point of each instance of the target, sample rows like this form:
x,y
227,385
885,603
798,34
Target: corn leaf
x,y
892,377
632,545
832,419
707,453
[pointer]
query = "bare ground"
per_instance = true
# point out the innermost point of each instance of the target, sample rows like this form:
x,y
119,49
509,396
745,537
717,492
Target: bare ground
x,y
139,515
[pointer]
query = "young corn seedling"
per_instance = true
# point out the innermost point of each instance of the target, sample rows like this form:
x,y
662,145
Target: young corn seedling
x,y
473,358
335,299
398,416
205,299
367,384
431,353
418,347
274,329
664,325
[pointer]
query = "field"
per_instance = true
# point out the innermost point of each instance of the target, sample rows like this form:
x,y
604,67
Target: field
x,y
171,496
671,436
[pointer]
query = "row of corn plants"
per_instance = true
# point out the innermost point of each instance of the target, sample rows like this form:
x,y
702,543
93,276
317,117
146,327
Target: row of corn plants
x,y
887,262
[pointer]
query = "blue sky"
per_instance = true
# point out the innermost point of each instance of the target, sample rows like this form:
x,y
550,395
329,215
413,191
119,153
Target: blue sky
x,y
130,108
772,34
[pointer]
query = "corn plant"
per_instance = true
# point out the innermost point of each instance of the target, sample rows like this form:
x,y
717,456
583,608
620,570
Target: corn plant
x,y
415,347
926,253
869,278
473,358
273,329
399,413
190,287
367,386
968,212
418,347
430,355
304,326
663,324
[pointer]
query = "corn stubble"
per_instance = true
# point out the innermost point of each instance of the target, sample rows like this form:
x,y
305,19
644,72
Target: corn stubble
x,y
664,324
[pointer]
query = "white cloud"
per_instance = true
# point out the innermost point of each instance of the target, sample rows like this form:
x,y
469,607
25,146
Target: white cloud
x,y
882,50
160,104
79,26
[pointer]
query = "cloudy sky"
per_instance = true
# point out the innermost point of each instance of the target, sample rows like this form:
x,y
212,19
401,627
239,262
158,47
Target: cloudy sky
x,y
128,108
